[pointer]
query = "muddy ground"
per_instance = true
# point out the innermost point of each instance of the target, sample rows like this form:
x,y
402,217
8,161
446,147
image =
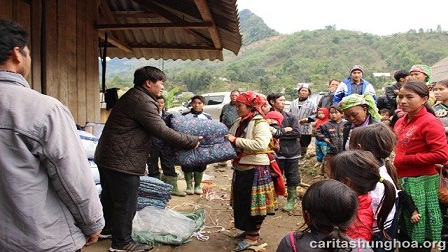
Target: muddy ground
x,y
219,215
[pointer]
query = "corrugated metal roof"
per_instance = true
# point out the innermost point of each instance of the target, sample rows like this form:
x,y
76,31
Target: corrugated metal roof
x,y
440,70
170,29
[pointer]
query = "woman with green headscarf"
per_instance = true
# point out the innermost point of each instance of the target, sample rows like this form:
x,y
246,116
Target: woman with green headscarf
x,y
421,73
359,110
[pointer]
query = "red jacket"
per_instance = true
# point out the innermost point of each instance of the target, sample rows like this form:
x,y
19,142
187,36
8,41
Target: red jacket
x,y
362,226
421,144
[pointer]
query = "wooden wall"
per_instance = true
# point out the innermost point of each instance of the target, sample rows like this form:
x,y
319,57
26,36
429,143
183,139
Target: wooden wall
x,y
64,51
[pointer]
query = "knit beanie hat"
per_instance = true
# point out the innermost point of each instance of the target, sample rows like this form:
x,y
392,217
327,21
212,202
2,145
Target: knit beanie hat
x,y
422,69
304,85
356,67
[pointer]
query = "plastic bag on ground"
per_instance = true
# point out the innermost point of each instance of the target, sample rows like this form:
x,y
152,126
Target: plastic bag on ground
x,y
163,221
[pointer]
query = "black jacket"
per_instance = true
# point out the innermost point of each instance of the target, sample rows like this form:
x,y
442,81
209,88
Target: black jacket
x,y
326,101
289,141
391,96
333,131
125,143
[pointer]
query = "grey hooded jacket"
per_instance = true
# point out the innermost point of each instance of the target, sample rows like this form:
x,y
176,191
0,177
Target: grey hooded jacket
x,y
48,198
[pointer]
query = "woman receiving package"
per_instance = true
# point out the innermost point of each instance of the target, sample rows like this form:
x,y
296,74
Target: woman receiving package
x,y
253,194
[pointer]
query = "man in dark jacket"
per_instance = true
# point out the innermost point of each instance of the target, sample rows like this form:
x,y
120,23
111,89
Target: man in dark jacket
x,y
289,153
123,149
327,100
228,113
392,90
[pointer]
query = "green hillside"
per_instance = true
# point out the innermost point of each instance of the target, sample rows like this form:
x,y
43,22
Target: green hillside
x,y
270,62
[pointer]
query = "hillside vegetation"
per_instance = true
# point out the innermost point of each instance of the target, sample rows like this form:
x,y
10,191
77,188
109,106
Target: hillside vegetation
x,y
271,62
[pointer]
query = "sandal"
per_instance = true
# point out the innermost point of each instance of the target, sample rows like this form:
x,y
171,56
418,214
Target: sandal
x,y
242,245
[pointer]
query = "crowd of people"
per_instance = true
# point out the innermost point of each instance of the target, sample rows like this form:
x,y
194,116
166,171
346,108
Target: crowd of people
x,y
383,174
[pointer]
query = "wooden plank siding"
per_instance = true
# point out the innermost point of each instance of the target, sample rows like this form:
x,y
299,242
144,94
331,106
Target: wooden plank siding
x,y
64,50
81,26
35,45
92,53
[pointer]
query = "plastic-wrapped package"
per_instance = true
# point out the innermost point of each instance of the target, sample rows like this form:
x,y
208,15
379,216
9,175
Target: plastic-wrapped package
x,y
163,222
213,146
89,143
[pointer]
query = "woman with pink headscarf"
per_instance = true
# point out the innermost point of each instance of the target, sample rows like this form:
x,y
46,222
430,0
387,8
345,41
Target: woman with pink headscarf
x,y
253,193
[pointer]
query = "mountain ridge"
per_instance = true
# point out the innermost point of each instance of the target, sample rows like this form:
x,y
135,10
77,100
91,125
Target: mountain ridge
x,y
273,62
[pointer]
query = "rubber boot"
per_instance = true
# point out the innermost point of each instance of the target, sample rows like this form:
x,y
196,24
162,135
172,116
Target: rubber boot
x,y
173,181
197,182
189,181
291,200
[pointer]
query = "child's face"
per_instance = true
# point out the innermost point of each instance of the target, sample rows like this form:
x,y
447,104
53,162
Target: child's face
x,y
197,105
320,115
265,108
271,121
385,115
335,115
441,93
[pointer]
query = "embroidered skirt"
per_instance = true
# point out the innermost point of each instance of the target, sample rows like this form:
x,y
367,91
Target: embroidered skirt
x,y
253,197
424,192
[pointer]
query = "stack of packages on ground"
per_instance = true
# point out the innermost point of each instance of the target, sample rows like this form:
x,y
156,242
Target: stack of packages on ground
x,y
153,192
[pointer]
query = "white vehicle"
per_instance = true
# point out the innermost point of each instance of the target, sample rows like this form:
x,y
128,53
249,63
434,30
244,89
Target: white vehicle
x,y
213,104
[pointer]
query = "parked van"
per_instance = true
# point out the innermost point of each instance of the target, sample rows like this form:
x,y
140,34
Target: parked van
x,y
213,104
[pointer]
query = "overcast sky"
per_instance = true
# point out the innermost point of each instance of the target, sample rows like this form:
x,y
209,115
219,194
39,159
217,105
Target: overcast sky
x,y
380,17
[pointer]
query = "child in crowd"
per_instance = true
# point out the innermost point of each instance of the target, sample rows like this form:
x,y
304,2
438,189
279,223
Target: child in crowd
x,y
385,116
275,120
380,140
358,169
331,133
329,208
322,117
196,172
440,91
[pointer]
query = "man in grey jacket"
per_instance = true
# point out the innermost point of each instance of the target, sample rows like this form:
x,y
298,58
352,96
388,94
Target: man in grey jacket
x,y
48,197
123,150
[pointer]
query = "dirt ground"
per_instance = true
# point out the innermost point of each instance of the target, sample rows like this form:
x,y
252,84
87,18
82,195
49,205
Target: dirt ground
x,y
219,215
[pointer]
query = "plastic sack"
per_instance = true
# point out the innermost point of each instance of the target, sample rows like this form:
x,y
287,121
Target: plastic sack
x,y
89,143
443,186
163,222
152,239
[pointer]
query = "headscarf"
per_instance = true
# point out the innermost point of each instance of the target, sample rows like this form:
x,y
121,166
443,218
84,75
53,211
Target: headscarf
x,y
359,100
422,69
319,121
251,99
